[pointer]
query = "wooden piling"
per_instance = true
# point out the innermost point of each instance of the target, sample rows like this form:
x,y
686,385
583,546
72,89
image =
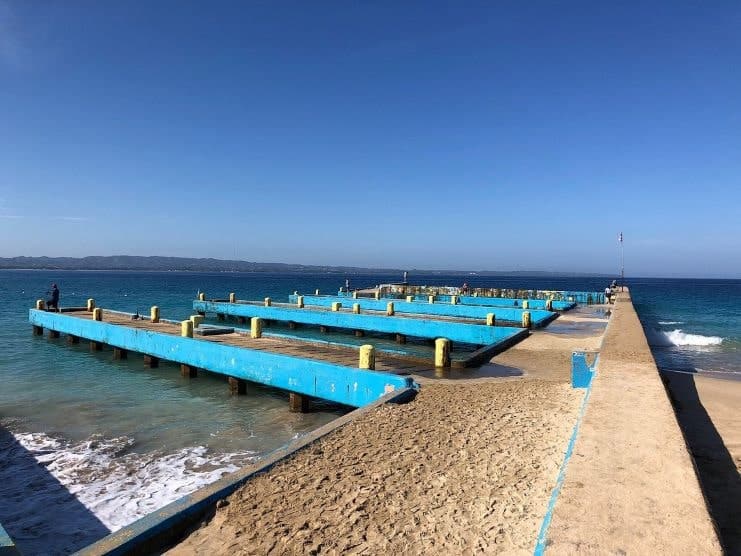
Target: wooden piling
x,y
53,333
72,339
237,386
359,333
298,403
38,330
256,327
367,357
188,371
292,325
119,353
95,346
442,352
323,329
401,339
151,361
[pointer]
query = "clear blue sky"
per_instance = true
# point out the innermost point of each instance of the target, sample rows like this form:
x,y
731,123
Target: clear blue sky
x,y
470,135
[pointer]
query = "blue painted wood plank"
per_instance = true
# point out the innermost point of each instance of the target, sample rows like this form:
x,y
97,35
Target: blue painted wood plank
x,y
345,385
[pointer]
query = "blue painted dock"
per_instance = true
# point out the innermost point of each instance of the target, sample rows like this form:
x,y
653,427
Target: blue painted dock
x,y
512,316
308,377
475,334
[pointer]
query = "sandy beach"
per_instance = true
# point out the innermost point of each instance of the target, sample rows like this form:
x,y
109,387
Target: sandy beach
x,y
468,466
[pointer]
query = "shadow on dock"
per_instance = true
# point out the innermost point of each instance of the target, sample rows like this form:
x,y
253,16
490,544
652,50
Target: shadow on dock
x,y
36,510
719,478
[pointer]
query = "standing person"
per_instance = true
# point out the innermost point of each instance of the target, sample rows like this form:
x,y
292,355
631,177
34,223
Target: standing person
x,y
53,302
608,291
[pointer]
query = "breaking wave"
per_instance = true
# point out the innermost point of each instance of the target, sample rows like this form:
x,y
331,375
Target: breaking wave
x,y
661,338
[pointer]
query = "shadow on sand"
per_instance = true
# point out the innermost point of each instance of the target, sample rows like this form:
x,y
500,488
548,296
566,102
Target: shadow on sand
x,y
719,478
36,510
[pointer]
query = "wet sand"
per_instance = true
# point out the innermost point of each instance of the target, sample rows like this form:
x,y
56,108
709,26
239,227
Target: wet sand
x,y
468,466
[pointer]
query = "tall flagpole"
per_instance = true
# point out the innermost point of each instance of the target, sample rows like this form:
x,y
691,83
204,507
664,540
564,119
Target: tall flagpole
x,y
622,263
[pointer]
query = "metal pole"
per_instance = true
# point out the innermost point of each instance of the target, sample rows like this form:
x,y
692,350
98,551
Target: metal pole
x,y
622,264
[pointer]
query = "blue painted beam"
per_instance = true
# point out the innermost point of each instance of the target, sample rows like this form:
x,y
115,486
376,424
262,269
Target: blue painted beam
x,y
336,383
581,371
538,317
476,334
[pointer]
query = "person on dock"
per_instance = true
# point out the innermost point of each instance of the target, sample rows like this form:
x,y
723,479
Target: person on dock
x,y
464,288
608,294
53,301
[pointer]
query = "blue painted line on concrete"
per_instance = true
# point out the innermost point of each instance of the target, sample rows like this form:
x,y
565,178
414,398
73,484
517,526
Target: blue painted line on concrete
x,y
346,385
476,334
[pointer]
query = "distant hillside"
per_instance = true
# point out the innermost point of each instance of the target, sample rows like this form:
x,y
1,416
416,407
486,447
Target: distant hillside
x,y
128,262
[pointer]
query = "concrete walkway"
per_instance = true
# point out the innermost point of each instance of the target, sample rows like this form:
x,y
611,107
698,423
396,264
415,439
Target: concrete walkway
x,y
630,486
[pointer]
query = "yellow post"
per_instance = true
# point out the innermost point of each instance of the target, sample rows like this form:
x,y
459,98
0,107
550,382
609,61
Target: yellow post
x,y
300,302
390,309
196,320
201,296
186,328
410,299
491,319
526,319
431,299
316,292
356,308
549,305
97,314
454,300
354,295
256,327
40,305
336,305
154,314
525,304
377,294
90,305
367,357
442,352
268,302
232,297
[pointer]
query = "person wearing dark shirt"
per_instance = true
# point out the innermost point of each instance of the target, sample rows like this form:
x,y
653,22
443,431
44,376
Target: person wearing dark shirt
x,y
53,302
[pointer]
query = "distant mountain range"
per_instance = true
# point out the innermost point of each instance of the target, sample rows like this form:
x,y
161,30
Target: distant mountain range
x,y
128,262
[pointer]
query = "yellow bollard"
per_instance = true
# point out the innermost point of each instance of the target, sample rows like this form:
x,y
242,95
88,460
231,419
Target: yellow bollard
x,y
491,319
525,304
356,308
316,292
40,305
232,297
354,295
454,300
256,327
390,309
442,352
377,295
526,319
268,302
97,313
201,296
300,302
367,357
336,305
431,299
154,314
90,305
196,320
186,328
549,305
410,299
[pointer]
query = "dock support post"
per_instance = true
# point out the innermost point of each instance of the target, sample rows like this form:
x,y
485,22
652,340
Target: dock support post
x,y
336,306
119,353
268,302
196,320
72,339
38,330
256,327
359,333
90,305
401,339
151,361
188,371
367,359
356,308
232,297
154,314
410,299
292,325
442,352
430,299
300,302
390,309
298,403
491,319
237,386
323,329
526,319
40,305
97,314
53,333
186,328
95,346
242,320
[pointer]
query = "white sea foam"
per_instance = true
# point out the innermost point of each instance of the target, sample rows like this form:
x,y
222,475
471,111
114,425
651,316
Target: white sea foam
x,y
668,322
678,338
118,486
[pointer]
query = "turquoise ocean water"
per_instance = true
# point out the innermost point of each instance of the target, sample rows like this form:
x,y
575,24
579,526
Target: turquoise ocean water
x,y
88,444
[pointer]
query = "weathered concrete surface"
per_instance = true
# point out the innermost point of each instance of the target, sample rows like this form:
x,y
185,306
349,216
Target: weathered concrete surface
x,y
631,486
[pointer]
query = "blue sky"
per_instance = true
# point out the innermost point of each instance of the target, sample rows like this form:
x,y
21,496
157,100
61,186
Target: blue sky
x,y
468,135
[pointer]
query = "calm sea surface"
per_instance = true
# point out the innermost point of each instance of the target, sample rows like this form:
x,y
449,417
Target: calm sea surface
x,y
88,444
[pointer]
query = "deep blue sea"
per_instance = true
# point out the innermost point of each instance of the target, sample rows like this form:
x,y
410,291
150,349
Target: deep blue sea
x,y
89,444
